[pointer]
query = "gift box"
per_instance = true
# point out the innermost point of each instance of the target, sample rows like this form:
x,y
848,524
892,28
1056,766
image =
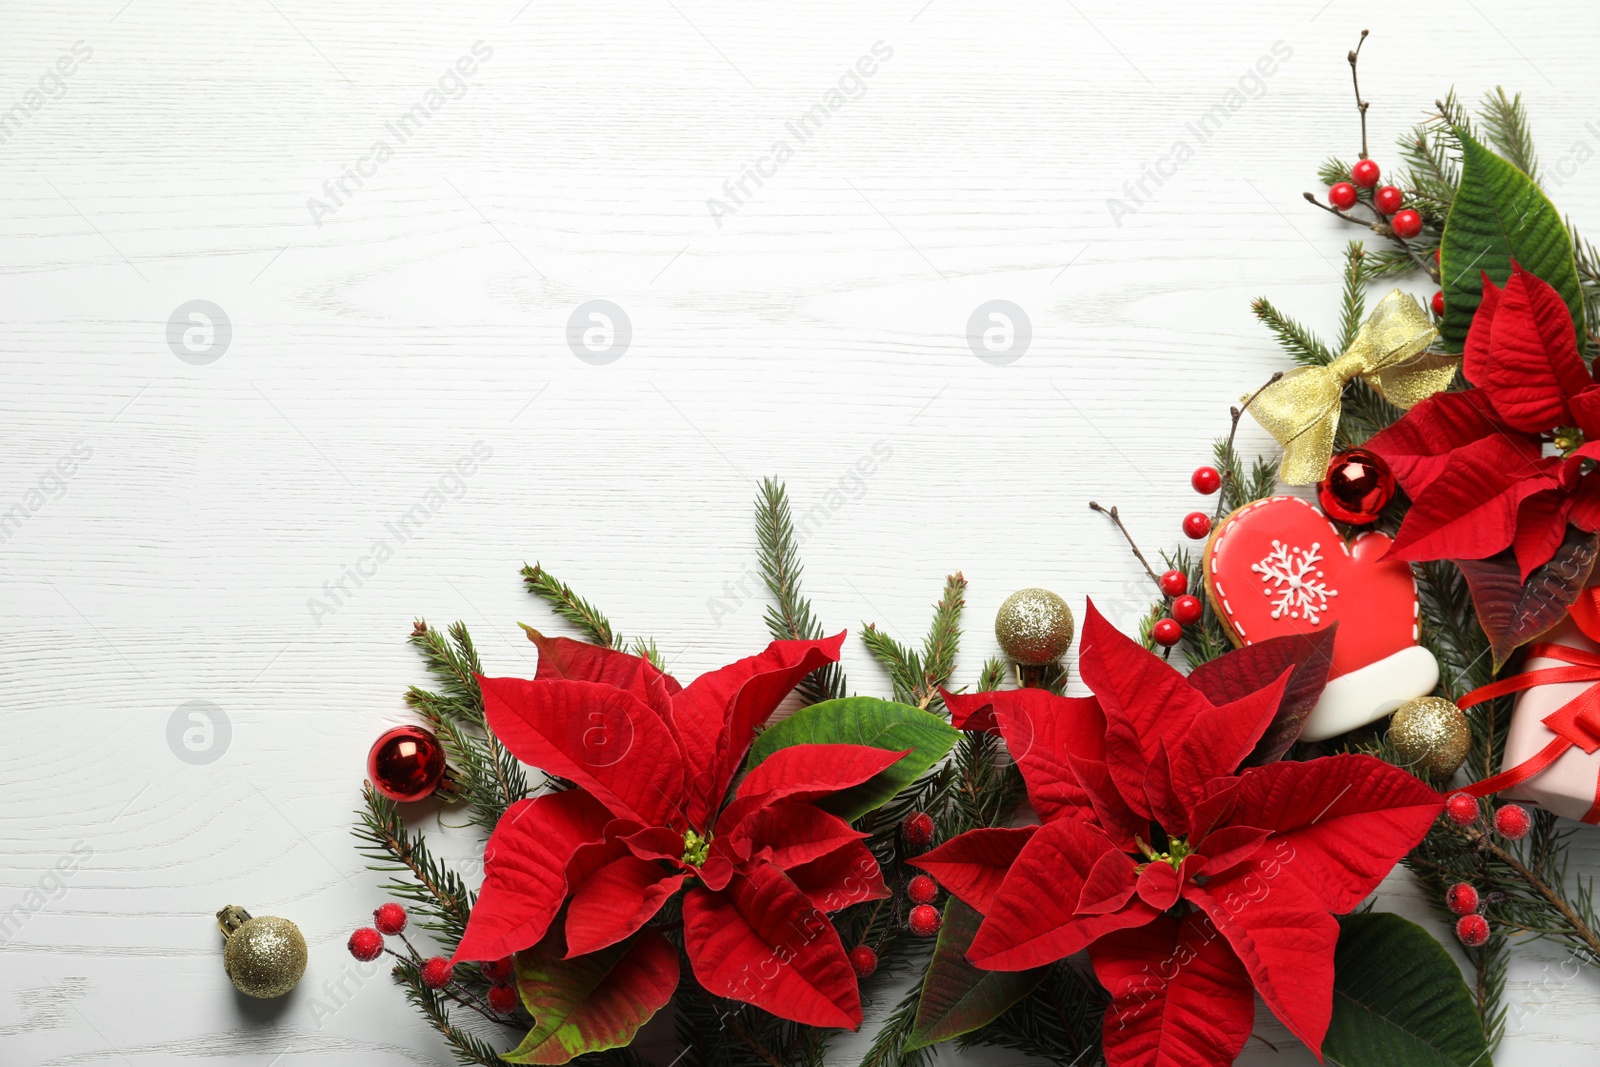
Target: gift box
x,y
1552,753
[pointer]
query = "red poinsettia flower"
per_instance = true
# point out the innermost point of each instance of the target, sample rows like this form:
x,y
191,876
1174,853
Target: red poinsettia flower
x,y
1473,462
652,763
1192,887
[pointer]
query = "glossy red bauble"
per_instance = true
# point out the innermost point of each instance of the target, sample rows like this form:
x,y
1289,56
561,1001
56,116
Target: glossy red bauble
x,y
1186,610
1388,199
1358,487
1438,302
1196,524
1342,195
406,763
1365,173
1166,633
1407,224
1174,583
1206,480
1473,930
1461,899
864,961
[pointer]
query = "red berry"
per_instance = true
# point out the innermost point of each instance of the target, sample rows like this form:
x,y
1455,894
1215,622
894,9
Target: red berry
x,y
924,920
1461,809
1365,173
918,829
437,972
864,960
1166,633
1206,480
922,889
1461,898
1388,199
1174,583
1407,224
390,918
1513,822
498,971
1196,524
503,999
1473,930
1342,195
366,944
1186,610
1438,302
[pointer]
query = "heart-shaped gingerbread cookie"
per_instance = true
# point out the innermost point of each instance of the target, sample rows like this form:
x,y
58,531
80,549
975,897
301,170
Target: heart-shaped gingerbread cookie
x,y
1278,566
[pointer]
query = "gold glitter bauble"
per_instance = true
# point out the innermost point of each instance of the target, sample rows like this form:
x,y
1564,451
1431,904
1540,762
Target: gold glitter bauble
x,y
264,957
1034,627
1431,736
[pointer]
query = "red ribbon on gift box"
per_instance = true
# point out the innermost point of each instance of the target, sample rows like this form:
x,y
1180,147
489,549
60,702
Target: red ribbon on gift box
x,y
1576,723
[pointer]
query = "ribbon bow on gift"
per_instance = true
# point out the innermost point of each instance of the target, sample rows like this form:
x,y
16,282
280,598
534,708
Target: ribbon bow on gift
x,y
1301,409
1576,723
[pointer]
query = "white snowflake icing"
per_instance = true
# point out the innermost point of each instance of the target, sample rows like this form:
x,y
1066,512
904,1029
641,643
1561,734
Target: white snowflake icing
x,y
1296,581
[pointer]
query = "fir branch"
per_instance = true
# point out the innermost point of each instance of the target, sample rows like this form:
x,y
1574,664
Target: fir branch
x,y
1301,344
1505,122
1353,296
943,640
888,1045
466,1047
570,606
904,666
439,897
1059,1022
1333,170
789,618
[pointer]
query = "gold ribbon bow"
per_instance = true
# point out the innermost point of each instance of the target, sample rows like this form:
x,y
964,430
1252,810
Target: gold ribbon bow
x,y
1301,409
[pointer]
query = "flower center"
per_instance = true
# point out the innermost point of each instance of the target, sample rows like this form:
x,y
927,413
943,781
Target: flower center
x,y
1177,850
1568,439
696,849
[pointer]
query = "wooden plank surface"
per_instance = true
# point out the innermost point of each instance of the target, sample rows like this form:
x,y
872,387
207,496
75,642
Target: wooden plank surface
x,y
398,208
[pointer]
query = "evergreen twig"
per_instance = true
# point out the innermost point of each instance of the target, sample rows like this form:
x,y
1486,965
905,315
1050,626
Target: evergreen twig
x,y
570,606
789,618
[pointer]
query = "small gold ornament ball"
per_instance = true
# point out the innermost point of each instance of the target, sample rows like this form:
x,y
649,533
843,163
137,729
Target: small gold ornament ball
x,y
1431,736
1034,627
263,957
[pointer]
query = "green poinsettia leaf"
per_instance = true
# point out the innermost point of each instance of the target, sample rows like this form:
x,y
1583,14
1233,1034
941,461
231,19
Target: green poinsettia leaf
x,y
1513,612
1500,214
593,1002
864,721
957,998
1399,1000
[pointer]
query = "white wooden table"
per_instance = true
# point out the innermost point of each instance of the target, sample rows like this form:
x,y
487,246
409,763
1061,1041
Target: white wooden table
x,y
374,316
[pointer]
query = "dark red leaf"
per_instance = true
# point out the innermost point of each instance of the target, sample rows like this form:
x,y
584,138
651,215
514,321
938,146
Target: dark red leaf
x,y
1247,669
1513,612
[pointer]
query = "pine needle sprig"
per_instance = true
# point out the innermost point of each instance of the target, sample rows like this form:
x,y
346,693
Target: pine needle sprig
x,y
1301,344
590,620
440,900
789,618
1505,123
467,1048
1060,1022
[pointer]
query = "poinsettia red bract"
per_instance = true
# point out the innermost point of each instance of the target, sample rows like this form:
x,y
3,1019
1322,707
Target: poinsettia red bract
x,y
652,763
1473,462
1192,886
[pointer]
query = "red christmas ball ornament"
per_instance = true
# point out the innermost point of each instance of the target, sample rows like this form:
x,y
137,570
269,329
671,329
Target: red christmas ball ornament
x,y
1388,199
1206,480
1472,930
1438,302
1358,487
503,999
1186,610
366,944
1406,224
1461,899
390,918
406,763
864,960
918,829
924,920
1365,173
1196,524
1342,195
922,889
1461,809
1174,583
437,972
1513,822
498,971
1166,633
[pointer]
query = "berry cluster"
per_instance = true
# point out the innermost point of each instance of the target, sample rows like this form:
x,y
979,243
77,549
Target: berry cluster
x,y
436,972
1387,203
923,919
1512,822
1183,608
